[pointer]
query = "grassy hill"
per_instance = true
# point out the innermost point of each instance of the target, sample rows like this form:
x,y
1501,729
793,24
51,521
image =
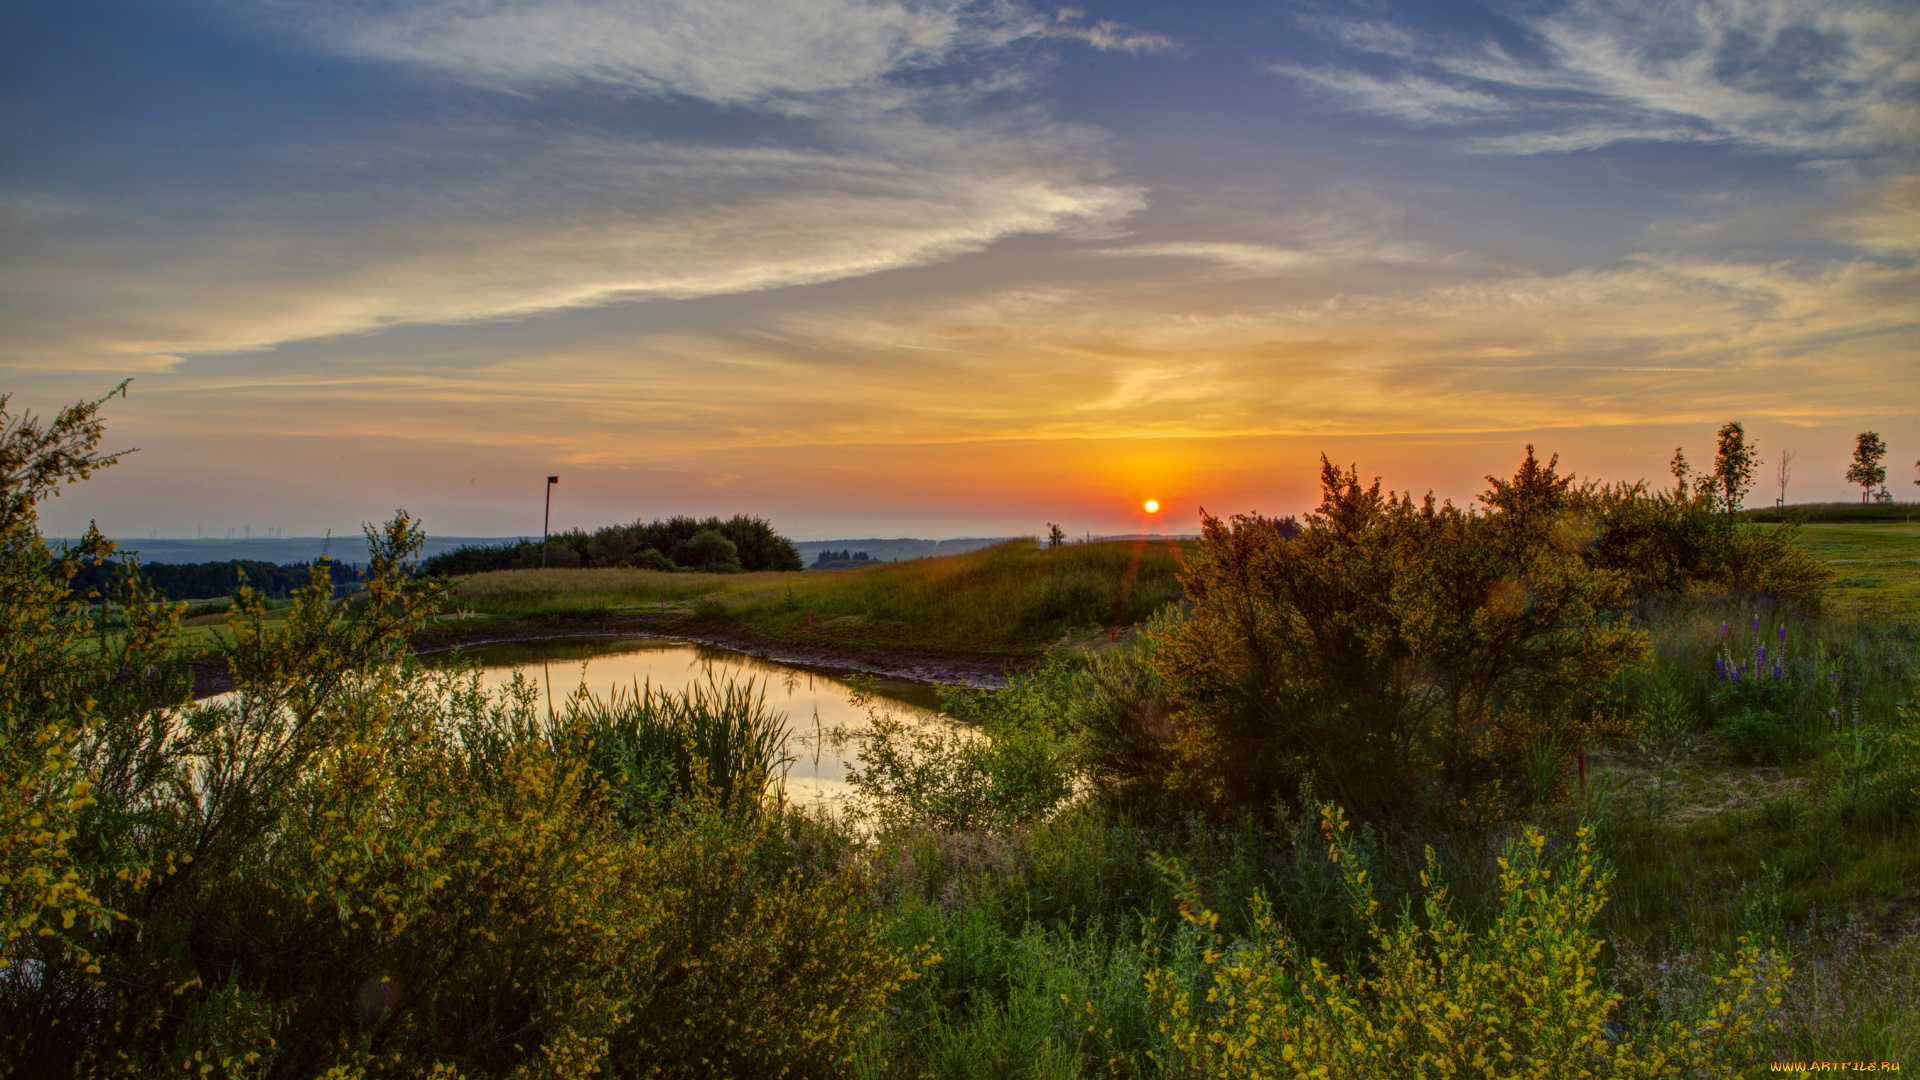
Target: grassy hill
x,y
1011,598
1015,597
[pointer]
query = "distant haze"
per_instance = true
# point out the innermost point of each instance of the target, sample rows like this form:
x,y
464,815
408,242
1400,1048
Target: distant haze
x,y
353,549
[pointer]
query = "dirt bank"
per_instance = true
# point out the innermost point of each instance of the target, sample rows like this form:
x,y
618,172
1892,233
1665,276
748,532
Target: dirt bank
x,y
827,656
210,674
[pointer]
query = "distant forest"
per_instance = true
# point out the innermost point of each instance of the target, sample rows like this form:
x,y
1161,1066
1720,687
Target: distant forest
x,y
204,581
738,544
841,560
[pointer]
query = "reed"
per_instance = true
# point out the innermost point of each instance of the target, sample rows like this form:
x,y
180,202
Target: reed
x,y
655,747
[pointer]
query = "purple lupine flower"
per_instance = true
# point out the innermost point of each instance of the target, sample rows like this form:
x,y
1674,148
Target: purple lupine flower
x,y
1719,667
1760,655
1778,671
1782,636
1735,677
1756,624
1723,630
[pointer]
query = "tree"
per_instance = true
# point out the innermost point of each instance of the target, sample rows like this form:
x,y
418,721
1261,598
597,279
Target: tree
x,y
1866,469
1056,536
1733,466
1679,468
708,550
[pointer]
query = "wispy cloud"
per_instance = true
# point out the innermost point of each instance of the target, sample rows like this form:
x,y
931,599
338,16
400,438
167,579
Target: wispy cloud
x,y
728,51
1071,24
1653,340
494,224
1240,259
853,163
1786,75
1410,97
720,50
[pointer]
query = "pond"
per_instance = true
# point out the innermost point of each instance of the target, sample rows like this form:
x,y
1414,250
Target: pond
x,y
820,716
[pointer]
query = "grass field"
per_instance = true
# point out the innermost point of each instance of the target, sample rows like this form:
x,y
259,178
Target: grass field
x,y
1012,598
1878,566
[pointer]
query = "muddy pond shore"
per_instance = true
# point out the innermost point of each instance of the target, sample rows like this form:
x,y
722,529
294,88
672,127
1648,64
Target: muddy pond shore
x,y
210,675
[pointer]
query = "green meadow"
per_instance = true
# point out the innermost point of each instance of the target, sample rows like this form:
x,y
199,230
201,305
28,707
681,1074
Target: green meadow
x,y
1011,599
1877,566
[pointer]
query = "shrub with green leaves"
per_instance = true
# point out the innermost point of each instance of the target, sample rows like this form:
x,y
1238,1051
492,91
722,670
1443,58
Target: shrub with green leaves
x,y
1524,998
1399,652
1010,767
1676,541
354,867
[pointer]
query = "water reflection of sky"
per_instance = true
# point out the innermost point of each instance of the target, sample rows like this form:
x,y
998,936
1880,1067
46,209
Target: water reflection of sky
x,y
817,706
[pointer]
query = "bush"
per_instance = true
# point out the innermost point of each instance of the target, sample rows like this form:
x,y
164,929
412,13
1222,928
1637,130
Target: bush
x,y
1011,769
1122,723
1522,999
355,867
1398,653
1677,541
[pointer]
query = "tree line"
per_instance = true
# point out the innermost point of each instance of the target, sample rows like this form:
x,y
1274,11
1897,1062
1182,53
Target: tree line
x,y
198,581
739,544
836,560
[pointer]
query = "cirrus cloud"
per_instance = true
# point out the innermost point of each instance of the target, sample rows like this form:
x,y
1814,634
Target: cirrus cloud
x,y
1792,76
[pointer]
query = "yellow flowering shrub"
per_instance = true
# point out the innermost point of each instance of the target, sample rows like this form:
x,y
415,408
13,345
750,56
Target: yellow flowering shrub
x,y
1521,999
357,868
44,893
430,897
49,712
1405,654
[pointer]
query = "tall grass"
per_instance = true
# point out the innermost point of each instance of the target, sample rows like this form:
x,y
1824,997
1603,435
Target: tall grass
x,y
1713,840
1868,663
655,747
1010,598
523,593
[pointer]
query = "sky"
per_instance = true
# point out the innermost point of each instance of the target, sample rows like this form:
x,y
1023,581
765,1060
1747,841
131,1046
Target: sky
x,y
942,268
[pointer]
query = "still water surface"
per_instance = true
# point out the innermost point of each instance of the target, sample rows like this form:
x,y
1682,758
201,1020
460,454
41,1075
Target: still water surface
x,y
819,715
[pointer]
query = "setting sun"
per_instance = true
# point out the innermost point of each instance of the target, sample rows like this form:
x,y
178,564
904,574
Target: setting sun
x,y
1153,506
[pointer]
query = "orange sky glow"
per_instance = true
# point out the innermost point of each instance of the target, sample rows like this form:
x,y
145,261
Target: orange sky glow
x,y
874,269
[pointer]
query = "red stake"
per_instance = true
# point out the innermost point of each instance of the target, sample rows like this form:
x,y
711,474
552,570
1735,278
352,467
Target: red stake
x,y
1113,634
